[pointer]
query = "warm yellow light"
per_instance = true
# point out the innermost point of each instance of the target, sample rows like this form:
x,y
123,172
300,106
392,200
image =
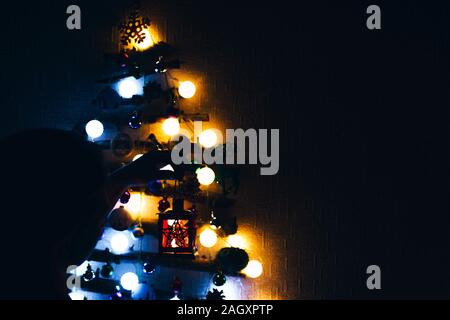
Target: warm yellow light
x,y
208,138
134,205
171,126
137,156
205,176
236,241
253,269
208,238
186,89
147,43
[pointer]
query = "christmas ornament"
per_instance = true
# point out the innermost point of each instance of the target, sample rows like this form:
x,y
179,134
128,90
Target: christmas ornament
x,y
107,270
215,295
155,187
120,219
163,205
88,274
219,279
135,121
133,29
125,197
138,232
148,267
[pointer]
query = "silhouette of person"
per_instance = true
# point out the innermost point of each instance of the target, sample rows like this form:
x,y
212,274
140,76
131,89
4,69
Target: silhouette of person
x,y
56,196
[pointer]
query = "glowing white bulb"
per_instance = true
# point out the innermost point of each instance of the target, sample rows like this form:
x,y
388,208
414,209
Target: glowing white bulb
x,y
186,89
208,138
208,238
137,156
253,269
129,281
147,43
236,241
205,176
94,129
171,126
129,87
119,243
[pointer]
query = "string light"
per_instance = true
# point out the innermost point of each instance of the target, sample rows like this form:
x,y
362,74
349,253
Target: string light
x,y
205,176
119,243
129,87
171,126
208,238
253,269
208,138
129,281
186,89
94,129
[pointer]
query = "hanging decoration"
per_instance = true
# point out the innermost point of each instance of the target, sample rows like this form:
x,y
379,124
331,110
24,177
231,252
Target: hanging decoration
x,y
89,274
120,219
125,197
232,260
138,231
134,31
148,267
107,270
219,279
215,295
135,121
163,204
177,232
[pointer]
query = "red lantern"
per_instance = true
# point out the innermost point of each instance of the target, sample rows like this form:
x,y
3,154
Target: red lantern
x,y
177,232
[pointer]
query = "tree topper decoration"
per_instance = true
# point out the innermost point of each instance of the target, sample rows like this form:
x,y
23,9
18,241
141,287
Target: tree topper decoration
x,y
133,28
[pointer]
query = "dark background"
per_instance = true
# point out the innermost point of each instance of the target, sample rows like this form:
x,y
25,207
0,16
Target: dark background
x,y
363,117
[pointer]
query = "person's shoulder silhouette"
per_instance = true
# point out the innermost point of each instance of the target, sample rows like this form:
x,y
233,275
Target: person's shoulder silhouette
x,y
52,210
